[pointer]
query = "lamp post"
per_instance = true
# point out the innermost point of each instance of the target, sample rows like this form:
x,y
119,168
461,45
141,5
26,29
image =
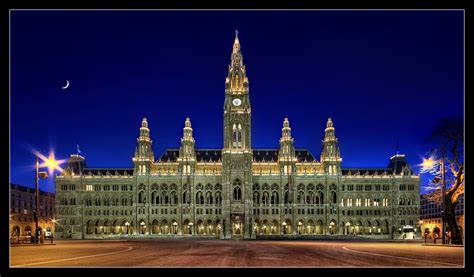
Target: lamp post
x,y
127,224
52,164
427,165
38,175
443,206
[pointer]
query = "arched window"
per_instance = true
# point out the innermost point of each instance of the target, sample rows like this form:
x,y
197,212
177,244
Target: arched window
x,y
333,197
274,200
141,196
256,198
218,198
199,198
185,197
237,190
237,135
209,199
237,194
310,198
164,198
300,197
287,197
265,198
173,198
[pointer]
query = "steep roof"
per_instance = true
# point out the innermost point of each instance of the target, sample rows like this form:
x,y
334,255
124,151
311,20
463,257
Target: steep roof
x,y
214,155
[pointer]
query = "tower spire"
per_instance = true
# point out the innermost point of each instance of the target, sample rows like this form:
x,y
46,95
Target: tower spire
x,y
236,81
331,156
144,156
236,48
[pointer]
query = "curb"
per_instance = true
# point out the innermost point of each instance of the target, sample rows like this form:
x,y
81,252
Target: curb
x,y
20,245
442,245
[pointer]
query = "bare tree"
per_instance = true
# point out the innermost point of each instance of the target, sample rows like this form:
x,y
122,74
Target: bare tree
x,y
448,138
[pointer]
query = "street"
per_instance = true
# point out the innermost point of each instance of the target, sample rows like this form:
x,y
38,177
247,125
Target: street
x,y
220,253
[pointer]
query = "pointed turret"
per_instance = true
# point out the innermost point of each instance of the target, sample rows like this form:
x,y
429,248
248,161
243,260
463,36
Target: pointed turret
x,y
330,156
287,149
236,48
187,141
187,160
236,81
144,156
286,155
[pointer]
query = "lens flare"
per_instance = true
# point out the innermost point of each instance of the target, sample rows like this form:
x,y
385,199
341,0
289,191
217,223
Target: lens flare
x,y
50,162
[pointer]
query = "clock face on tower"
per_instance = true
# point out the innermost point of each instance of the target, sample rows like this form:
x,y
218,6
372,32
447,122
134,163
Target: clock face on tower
x,y
236,102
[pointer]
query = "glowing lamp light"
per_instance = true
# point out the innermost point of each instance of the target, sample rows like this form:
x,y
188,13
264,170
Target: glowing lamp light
x,y
427,163
50,162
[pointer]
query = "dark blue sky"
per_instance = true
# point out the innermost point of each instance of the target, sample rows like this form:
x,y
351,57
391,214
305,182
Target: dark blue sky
x,y
380,75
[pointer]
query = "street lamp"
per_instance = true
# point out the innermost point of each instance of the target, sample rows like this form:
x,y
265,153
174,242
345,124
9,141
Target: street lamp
x,y
51,163
127,224
427,166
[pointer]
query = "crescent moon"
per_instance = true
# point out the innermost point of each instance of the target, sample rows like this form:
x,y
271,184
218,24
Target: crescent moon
x,y
67,85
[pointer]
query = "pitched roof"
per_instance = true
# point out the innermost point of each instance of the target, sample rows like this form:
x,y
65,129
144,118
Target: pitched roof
x,y
214,155
105,171
370,171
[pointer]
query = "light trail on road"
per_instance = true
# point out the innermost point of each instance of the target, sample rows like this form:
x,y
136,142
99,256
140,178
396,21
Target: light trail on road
x,y
76,258
397,257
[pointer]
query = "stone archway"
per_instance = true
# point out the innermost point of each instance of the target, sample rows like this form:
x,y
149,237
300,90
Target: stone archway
x,y
319,227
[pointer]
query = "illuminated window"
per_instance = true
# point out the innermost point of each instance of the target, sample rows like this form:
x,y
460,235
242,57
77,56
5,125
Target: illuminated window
x,y
237,136
88,187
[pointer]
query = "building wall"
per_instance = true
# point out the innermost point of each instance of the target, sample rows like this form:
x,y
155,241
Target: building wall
x,y
431,216
96,215
22,205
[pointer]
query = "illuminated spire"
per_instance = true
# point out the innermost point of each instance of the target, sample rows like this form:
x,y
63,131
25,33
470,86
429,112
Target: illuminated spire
x,y
331,154
144,131
329,131
187,131
144,123
144,156
236,81
286,141
286,130
236,48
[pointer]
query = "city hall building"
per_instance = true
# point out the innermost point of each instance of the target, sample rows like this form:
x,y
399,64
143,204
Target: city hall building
x,y
236,191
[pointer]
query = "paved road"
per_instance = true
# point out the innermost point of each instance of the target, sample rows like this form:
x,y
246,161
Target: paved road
x,y
218,253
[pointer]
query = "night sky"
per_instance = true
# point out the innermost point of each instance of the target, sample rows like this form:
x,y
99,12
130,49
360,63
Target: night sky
x,y
382,76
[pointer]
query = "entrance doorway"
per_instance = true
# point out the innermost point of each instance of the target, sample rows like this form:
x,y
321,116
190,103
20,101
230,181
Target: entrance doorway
x,y
237,225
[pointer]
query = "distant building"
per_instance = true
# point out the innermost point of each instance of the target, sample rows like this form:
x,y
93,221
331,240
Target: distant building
x,y
237,191
22,206
431,215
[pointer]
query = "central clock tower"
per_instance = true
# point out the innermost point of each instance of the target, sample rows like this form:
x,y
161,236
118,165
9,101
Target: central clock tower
x,y
237,152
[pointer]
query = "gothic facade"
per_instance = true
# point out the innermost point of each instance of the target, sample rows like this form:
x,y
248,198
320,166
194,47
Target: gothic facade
x,y
236,191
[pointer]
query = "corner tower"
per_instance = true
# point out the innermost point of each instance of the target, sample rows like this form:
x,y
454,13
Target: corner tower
x,y
237,151
331,156
144,156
